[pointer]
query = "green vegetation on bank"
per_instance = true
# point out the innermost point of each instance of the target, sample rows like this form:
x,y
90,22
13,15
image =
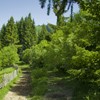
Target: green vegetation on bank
x,y
4,90
7,70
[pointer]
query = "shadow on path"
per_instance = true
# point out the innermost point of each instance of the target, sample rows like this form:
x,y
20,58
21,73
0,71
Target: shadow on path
x,y
22,88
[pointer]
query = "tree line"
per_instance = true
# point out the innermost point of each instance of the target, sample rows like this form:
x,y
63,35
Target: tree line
x,y
15,37
19,35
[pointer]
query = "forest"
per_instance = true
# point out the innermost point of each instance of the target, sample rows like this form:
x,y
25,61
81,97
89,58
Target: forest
x,y
65,55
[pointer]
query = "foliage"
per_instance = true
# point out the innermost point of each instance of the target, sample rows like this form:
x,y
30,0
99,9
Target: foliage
x,y
8,56
39,81
38,53
26,33
73,49
59,8
43,34
7,70
9,33
26,56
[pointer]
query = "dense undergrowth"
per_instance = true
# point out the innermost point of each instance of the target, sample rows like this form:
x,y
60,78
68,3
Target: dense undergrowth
x,y
52,84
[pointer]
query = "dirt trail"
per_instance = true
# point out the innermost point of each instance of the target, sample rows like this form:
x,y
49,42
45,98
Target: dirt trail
x,y
22,88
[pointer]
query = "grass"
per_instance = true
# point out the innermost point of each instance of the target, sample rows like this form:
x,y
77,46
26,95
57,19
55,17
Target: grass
x,y
7,70
23,66
52,85
49,85
65,84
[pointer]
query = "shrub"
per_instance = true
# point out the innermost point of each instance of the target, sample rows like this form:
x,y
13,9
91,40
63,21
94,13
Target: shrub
x,y
8,56
38,73
87,62
26,56
39,81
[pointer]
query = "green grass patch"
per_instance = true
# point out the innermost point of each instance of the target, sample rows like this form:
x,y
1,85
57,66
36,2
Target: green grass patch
x,y
23,66
37,98
7,70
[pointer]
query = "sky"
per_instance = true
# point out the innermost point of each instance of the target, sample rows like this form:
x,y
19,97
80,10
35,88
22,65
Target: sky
x,y
21,8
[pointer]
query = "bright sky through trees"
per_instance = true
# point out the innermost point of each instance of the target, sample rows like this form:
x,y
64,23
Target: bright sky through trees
x,y
21,8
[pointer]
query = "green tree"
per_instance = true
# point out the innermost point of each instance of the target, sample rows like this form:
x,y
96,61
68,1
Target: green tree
x,y
27,56
8,56
43,34
92,6
2,34
26,32
29,31
9,33
59,8
20,26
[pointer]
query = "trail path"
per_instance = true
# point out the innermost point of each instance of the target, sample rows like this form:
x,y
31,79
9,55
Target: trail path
x,y
22,88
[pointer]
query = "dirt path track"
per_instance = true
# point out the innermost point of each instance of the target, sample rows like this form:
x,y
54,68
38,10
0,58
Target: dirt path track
x,y
22,88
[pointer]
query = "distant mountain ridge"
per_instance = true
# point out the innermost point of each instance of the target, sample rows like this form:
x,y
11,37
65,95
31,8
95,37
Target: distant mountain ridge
x,y
49,27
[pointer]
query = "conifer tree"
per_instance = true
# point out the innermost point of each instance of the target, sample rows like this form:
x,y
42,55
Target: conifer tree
x,y
20,26
43,33
26,32
29,31
2,34
9,33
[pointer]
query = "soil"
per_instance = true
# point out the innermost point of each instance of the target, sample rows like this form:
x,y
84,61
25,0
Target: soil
x,y
22,88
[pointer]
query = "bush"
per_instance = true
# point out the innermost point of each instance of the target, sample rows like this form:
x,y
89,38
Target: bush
x,y
39,81
8,56
38,73
26,56
41,86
